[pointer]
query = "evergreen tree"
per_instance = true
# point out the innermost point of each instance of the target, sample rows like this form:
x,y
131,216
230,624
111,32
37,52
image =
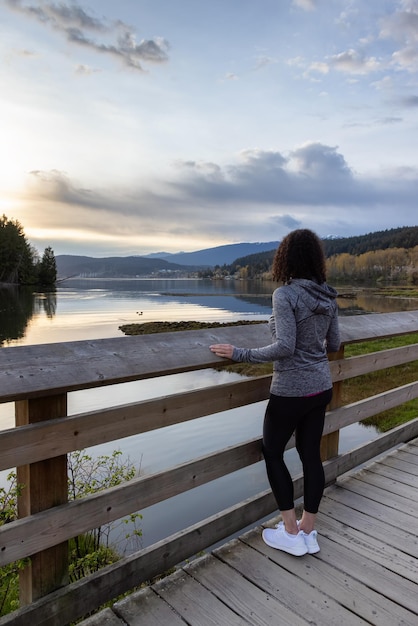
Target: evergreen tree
x,y
19,261
16,255
47,268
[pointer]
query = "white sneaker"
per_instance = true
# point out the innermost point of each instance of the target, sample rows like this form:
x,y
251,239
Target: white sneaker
x,y
311,540
281,540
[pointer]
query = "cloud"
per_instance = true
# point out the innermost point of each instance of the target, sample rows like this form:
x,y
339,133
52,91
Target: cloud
x,y
351,62
269,177
385,84
398,27
321,68
382,121
285,222
402,26
354,62
261,192
406,59
85,70
59,16
410,101
306,5
263,61
71,20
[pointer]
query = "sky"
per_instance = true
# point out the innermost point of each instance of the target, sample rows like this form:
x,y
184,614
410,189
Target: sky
x,y
140,126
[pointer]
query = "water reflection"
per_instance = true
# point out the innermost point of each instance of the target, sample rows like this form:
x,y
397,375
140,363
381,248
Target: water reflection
x,y
94,309
18,305
46,302
366,301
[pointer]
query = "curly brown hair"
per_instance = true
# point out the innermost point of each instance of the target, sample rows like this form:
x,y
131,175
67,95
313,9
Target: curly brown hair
x,y
299,255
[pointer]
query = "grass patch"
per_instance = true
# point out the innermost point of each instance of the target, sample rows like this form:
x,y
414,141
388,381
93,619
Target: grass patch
x,y
366,347
367,385
361,387
149,328
398,292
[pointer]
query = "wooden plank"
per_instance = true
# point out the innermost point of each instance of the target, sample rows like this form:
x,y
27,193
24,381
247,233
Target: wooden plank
x,y
146,608
404,455
30,371
368,546
255,605
390,486
330,577
356,328
370,526
403,466
393,594
358,411
394,474
47,569
44,440
365,452
277,579
342,369
373,492
374,509
195,603
330,441
412,447
104,618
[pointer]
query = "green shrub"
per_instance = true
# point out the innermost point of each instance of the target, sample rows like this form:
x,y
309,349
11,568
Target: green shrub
x,y
88,552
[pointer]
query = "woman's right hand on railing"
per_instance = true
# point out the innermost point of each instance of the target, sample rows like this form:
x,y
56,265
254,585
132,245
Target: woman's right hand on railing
x,y
224,350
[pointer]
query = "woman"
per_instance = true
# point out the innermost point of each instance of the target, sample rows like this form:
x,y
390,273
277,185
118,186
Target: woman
x,y
304,327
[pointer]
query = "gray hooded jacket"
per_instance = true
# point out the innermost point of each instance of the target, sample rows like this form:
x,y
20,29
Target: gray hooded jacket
x,y
304,327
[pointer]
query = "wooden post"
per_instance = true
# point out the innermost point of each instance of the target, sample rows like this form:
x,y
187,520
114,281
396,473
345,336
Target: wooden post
x,y
45,484
330,443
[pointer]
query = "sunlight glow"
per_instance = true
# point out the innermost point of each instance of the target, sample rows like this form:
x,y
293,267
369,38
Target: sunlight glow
x,y
9,207
64,234
128,245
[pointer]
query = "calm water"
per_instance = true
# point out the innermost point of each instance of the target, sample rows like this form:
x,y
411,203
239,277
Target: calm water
x,y
94,309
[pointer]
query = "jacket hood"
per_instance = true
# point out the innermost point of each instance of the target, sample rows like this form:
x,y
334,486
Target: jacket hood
x,y
318,298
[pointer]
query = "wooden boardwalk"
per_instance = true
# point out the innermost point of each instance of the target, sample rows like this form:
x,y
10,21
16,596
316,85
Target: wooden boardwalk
x,y
365,573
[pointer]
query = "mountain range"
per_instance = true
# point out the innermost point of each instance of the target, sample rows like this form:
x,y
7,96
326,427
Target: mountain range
x,y
242,254
221,255
160,262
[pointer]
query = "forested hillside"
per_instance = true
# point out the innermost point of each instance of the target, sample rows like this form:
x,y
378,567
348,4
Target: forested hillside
x,y
406,237
389,254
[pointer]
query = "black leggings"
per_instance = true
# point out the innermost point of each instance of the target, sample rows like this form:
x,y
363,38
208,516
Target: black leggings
x,y
304,416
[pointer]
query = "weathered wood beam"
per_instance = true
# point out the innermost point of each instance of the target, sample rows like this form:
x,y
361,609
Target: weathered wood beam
x,y
76,432
44,485
31,371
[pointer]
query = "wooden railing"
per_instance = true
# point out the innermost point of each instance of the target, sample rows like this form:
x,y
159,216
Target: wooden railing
x,y
38,378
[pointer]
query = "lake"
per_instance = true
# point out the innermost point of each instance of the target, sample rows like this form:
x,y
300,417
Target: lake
x,y
95,309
